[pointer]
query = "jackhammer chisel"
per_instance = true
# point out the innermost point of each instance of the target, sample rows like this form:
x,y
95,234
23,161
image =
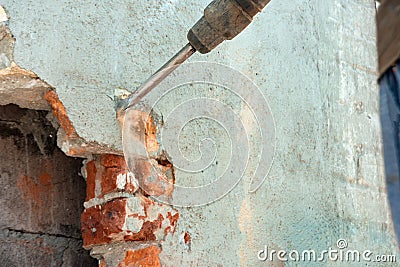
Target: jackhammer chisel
x,y
222,20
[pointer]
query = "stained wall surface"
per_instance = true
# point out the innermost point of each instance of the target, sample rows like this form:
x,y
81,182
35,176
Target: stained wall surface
x,y
314,62
41,194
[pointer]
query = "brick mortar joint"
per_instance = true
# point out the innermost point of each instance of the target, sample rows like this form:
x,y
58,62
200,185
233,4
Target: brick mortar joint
x,y
137,218
19,231
120,206
128,253
99,250
106,198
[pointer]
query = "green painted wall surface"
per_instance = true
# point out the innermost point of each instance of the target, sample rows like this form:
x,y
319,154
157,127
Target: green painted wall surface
x,y
314,61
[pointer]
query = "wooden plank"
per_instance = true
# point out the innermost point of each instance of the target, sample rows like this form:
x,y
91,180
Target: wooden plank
x,y
388,21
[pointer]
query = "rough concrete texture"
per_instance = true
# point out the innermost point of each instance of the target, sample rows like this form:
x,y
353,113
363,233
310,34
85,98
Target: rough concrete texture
x,y
22,88
67,138
6,45
87,51
41,194
318,70
18,86
315,61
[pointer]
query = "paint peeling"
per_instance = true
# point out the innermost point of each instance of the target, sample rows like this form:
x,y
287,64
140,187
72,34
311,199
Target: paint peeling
x,y
130,219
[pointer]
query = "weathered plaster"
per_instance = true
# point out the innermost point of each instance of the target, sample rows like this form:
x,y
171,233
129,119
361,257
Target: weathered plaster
x,y
315,61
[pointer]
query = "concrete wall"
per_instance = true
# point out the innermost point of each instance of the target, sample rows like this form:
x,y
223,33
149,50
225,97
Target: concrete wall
x,y
314,61
41,194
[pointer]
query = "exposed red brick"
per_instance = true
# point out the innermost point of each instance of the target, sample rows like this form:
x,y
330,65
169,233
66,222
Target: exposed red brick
x,y
105,170
100,223
173,218
172,221
90,180
147,257
109,180
147,231
109,161
60,113
152,221
102,263
113,167
106,223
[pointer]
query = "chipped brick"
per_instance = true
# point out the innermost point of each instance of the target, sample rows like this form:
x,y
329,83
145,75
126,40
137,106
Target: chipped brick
x,y
100,223
110,174
129,219
110,161
90,180
142,257
60,113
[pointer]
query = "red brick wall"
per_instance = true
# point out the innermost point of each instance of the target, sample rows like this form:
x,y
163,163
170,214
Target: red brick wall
x,y
41,194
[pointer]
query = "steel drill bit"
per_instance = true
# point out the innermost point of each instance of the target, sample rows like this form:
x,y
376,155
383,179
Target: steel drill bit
x,y
160,75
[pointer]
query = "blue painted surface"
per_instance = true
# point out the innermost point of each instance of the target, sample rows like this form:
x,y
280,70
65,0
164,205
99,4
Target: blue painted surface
x,y
390,120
